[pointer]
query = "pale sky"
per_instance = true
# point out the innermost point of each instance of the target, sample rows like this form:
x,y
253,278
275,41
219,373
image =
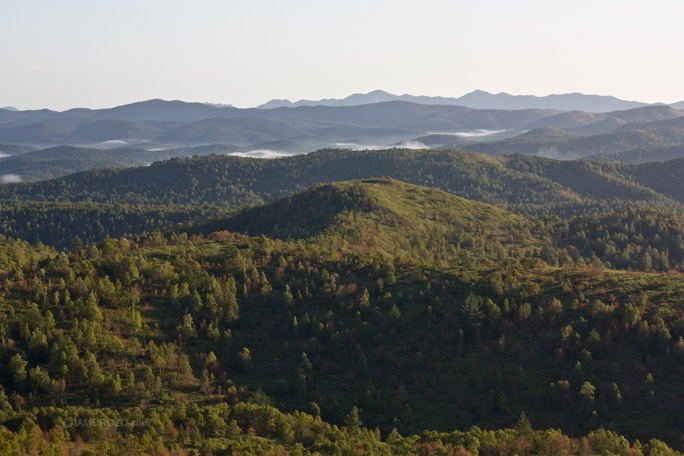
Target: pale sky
x,y
61,54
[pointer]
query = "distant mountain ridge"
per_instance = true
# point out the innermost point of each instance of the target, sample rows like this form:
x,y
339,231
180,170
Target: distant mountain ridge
x,y
168,124
639,135
361,121
480,99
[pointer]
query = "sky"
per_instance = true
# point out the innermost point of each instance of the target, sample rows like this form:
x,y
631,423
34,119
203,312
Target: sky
x,y
83,53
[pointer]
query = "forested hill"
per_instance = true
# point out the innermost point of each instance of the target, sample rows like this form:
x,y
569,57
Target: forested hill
x,y
409,221
391,217
529,185
59,161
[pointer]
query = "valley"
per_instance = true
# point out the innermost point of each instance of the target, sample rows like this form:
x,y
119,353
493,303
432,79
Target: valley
x,y
33,142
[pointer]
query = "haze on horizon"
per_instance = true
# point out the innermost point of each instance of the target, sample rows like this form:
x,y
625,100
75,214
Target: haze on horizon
x,y
62,55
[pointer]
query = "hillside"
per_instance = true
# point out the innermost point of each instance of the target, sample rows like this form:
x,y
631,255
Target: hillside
x,y
663,177
59,161
588,123
641,155
648,135
438,140
570,120
396,218
398,212
32,165
383,213
674,122
547,133
572,135
525,184
62,225
239,131
11,149
531,181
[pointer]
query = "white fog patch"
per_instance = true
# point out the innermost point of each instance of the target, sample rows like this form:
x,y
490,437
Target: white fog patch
x,y
10,178
346,145
471,133
365,147
260,153
408,144
411,144
112,144
355,146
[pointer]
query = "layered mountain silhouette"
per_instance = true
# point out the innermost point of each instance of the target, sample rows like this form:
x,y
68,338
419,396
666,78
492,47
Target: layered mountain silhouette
x,y
371,121
477,99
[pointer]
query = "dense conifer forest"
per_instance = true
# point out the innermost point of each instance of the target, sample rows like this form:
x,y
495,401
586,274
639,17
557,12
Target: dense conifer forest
x,y
513,305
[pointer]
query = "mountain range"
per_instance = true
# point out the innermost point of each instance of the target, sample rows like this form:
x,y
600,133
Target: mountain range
x,y
478,99
638,135
42,144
